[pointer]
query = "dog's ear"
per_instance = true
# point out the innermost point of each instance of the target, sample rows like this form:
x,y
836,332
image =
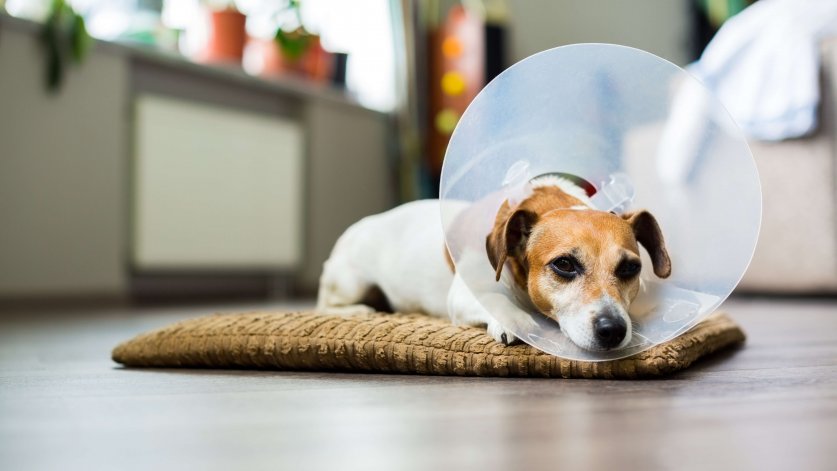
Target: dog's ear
x,y
509,236
648,233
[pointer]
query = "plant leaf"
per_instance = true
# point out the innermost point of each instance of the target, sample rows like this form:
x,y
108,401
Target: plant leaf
x,y
54,67
79,38
293,44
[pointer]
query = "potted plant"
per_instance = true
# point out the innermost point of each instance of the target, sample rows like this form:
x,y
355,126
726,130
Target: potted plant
x,y
65,40
300,50
227,33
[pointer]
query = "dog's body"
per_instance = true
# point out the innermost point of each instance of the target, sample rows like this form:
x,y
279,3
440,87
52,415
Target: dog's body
x,y
400,251
576,265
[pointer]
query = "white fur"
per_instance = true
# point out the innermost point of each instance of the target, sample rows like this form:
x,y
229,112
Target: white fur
x,y
566,186
577,319
464,309
401,251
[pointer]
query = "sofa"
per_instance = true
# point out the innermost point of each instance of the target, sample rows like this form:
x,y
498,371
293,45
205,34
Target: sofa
x,y
797,248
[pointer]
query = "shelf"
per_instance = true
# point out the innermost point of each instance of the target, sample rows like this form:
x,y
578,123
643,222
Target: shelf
x,y
287,85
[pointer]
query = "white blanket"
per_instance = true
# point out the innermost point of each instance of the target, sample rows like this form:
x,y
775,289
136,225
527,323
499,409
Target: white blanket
x,y
763,65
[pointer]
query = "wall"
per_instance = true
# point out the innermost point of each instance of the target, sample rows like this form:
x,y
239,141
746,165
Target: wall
x,y
62,174
658,26
349,177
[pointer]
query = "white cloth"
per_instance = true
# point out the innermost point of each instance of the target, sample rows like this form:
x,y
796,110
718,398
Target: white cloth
x,y
763,64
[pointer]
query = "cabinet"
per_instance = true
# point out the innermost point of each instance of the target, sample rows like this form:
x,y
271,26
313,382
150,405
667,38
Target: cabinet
x,y
148,165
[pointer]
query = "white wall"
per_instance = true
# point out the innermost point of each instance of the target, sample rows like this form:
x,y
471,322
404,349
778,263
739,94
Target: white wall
x,y
62,174
657,26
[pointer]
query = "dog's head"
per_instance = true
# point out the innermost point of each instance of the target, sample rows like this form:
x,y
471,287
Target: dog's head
x,y
579,266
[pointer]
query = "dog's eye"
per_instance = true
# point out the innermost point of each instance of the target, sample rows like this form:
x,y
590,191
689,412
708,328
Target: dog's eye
x,y
564,267
628,269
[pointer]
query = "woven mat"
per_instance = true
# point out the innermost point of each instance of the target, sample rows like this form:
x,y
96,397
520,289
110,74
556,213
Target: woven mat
x,y
393,343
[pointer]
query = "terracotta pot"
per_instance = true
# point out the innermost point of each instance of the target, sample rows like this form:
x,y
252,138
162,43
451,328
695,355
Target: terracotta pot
x,y
227,36
315,64
262,57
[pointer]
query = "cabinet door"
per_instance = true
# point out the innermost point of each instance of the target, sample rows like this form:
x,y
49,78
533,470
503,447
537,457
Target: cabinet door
x,y
215,188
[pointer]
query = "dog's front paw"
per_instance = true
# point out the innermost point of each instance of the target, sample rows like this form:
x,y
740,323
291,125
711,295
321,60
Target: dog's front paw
x,y
498,333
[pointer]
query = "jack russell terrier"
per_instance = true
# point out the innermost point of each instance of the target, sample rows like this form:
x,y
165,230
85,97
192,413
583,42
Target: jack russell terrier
x,y
577,265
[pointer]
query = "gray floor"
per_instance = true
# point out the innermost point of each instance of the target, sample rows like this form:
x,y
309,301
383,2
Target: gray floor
x,y
65,405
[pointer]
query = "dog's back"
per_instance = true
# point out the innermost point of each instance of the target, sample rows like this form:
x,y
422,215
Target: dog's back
x,y
400,252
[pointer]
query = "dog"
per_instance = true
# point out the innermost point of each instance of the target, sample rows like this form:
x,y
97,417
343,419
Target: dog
x,y
572,263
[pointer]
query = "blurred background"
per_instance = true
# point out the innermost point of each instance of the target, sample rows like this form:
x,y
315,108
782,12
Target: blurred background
x,y
161,150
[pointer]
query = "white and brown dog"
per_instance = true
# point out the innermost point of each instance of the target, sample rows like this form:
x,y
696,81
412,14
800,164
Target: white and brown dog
x,y
576,265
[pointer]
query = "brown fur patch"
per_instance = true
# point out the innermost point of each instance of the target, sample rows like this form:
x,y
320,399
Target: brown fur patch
x,y
541,201
598,240
647,232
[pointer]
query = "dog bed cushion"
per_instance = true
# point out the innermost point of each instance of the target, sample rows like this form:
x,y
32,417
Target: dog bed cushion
x,y
393,343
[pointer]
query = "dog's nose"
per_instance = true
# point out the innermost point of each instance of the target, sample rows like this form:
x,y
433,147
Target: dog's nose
x,y
610,330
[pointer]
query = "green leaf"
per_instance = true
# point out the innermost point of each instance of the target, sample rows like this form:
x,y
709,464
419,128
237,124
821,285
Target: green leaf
x,y
54,68
80,39
65,38
293,44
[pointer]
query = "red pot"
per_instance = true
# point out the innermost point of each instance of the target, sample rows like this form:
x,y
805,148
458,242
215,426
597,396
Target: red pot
x,y
227,36
316,63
